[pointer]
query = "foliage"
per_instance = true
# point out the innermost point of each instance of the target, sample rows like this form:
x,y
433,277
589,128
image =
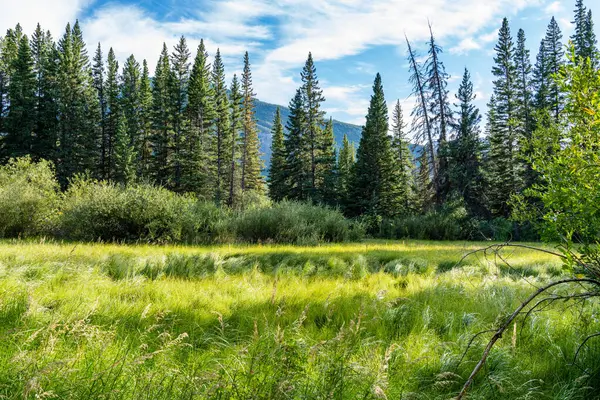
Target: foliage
x,y
291,222
28,197
566,155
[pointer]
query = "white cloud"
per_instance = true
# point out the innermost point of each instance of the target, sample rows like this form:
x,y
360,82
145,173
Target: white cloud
x,y
464,46
53,15
554,8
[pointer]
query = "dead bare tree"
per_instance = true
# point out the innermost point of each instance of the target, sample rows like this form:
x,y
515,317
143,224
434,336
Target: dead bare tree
x,y
588,261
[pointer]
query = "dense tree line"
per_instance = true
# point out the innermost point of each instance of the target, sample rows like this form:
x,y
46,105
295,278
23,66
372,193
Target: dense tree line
x,y
454,164
187,130
183,128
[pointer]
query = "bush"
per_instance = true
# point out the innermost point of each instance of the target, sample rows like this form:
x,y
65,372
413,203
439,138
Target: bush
x,y
291,222
28,197
94,210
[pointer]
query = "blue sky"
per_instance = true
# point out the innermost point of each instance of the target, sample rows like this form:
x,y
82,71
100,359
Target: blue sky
x,y
351,40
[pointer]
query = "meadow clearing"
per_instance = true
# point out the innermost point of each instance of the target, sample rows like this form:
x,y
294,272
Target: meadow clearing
x,y
372,320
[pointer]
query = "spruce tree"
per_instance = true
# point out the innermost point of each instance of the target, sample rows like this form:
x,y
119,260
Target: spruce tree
x,y
374,184
131,109
222,128
232,142
143,143
584,38
99,79
466,151
402,156
312,97
344,168
251,162
423,190
113,107
180,61
44,66
277,169
440,112
79,111
198,165
20,122
421,122
504,169
328,166
523,89
8,55
550,59
162,118
297,163
124,154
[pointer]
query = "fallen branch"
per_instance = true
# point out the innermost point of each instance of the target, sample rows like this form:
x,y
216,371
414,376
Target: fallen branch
x,y
510,319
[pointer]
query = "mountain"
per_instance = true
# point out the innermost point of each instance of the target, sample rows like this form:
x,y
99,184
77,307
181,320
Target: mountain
x,y
265,112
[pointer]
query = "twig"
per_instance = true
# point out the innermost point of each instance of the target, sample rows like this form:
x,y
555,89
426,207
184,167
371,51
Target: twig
x,y
505,325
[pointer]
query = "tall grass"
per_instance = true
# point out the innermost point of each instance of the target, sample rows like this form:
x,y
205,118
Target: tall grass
x,y
370,320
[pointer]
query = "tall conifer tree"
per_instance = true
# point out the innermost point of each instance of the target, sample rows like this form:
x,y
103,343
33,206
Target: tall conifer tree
x,y
313,128
180,61
344,168
222,128
251,163
198,164
402,156
441,114
143,142
374,185
162,117
504,170
277,169
20,122
113,107
233,142
297,163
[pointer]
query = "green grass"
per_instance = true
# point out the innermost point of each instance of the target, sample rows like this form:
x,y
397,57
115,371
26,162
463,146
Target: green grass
x,y
373,320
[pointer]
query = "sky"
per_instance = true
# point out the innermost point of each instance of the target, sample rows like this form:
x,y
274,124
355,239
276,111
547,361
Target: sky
x,y
351,40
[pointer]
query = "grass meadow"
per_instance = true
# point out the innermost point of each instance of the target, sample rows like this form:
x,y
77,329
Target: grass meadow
x,y
374,320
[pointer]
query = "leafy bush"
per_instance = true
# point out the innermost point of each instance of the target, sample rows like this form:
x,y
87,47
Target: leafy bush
x,y
291,222
94,210
28,197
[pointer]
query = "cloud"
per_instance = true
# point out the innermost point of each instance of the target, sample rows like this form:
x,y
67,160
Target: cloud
x,y
464,46
554,8
53,15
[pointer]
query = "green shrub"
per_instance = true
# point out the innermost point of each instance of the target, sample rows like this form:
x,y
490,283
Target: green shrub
x,y
28,197
94,210
292,222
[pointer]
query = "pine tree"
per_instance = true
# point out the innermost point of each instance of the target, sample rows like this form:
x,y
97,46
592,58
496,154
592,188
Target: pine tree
x,y
523,89
198,166
466,151
124,154
233,141
44,66
143,144
99,79
328,173
162,117
402,156
9,53
79,111
20,122
374,184
312,97
181,76
113,108
421,122
550,59
423,186
222,127
584,38
297,164
131,108
251,161
504,170
440,112
277,170
344,168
